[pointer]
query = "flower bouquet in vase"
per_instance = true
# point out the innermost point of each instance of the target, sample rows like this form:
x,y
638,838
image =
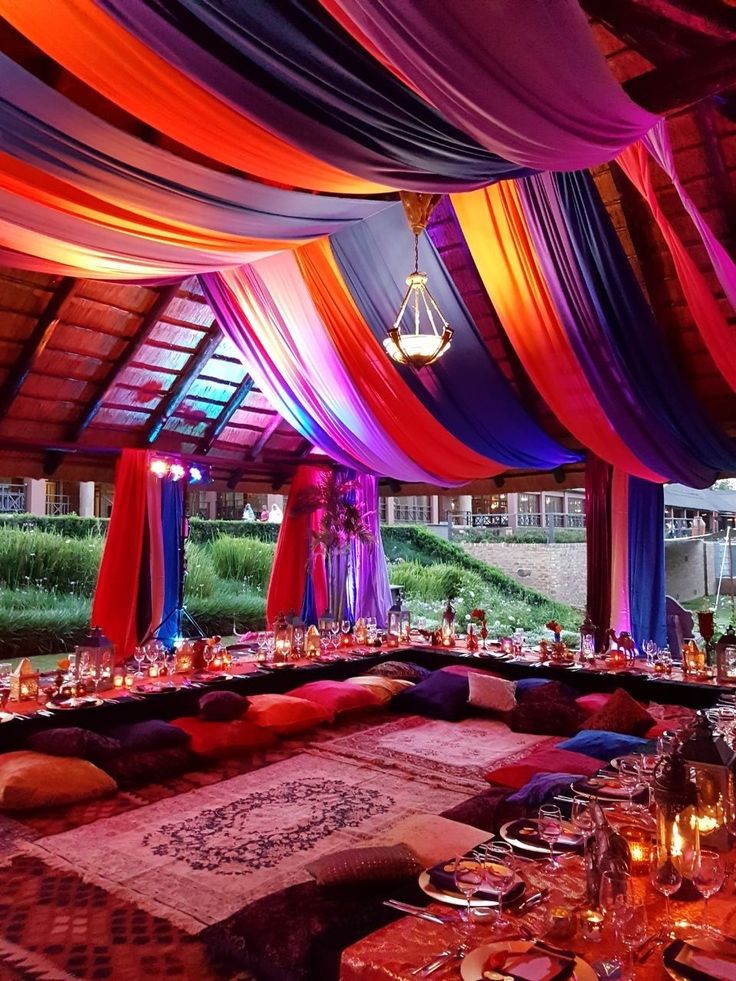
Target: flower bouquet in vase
x,y
478,618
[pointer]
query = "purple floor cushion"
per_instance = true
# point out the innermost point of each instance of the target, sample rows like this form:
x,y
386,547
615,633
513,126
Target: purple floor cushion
x,y
73,741
153,766
543,787
222,706
145,736
440,696
479,811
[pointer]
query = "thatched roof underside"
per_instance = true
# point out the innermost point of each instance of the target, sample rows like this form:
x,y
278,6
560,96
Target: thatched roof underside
x,y
88,367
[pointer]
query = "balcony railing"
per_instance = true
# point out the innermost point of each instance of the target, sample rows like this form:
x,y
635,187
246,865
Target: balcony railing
x,y
12,498
521,519
57,504
414,514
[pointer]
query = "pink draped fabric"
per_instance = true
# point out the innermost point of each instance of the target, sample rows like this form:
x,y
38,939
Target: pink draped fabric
x,y
524,78
718,335
658,144
156,549
620,604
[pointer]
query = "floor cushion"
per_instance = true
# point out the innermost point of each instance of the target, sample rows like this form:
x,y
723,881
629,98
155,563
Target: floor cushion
x,y
149,766
73,741
488,692
216,740
383,688
147,736
440,696
548,691
430,837
553,760
543,787
553,718
525,685
594,702
602,744
479,811
466,669
284,714
365,866
222,706
407,670
30,781
336,697
622,713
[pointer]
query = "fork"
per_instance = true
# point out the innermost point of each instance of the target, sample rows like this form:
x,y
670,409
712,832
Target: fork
x,y
458,952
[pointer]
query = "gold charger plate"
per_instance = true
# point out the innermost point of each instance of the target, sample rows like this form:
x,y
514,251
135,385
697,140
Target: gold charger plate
x,y
520,842
457,898
471,968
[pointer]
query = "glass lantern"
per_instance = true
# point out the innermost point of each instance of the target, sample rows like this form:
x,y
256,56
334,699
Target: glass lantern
x,y
312,642
447,629
676,801
399,622
587,640
726,658
298,637
712,766
24,682
95,660
281,639
360,634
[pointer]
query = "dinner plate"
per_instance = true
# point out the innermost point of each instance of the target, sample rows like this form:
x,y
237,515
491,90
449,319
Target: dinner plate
x,y
6,717
457,898
74,703
600,788
681,976
521,843
471,968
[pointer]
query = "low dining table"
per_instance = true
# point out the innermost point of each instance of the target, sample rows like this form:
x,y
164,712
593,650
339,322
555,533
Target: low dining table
x,y
395,951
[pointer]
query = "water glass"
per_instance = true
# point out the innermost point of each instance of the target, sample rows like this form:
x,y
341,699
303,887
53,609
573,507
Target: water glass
x,y
651,650
469,875
709,873
550,829
632,926
615,891
630,775
666,878
499,856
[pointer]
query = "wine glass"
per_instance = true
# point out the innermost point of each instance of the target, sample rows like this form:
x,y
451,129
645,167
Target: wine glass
x,y
550,829
500,875
709,873
334,633
630,776
666,743
614,892
666,878
632,926
582,816
468,874
208,654
651,650
372,627
140,656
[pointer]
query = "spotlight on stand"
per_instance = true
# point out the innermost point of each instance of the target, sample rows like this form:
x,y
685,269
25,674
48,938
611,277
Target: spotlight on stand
x,y
175,470
195,475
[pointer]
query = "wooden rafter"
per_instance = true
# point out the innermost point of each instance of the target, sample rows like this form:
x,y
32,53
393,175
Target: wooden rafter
x,y
35,343
180,389
255,450
228,411
685,81
131,352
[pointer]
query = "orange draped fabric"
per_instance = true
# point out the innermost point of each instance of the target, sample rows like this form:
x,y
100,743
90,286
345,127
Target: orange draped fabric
x,y
718,335
402,416
92,45
497,235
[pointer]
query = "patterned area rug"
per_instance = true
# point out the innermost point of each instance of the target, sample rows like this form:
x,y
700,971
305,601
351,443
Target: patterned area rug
x,y
450,754
201,857
54,925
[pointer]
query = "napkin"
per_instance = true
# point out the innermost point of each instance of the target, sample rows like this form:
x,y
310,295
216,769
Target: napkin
x,y
535,964
702,960
525,831
442,877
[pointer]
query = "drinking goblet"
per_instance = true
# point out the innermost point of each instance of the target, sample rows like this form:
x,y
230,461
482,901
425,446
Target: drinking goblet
x,y
582,816
631,926
666,878
500,874
709,873
468,874
550,829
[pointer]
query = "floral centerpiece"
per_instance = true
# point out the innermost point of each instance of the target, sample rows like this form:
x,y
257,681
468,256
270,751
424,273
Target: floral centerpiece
x,y
478,616
558,651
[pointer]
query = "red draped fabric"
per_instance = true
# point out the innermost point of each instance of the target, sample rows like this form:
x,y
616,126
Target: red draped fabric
x,y
115,605
293,556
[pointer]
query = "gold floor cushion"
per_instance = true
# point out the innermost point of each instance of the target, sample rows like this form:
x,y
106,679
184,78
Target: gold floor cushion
x,y
31,781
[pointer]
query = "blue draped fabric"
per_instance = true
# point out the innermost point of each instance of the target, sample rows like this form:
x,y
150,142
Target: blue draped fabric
x,y
172,519
646,561
292,69
41,127
614,335
465,390
309,613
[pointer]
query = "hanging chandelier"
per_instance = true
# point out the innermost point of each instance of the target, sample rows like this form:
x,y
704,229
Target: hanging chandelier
x,y
420,334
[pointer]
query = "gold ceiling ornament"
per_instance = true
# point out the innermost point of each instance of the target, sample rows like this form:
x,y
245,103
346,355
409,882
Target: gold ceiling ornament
x,y
426,335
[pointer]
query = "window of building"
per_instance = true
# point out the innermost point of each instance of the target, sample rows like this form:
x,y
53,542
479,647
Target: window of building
x,y
490,504
529,504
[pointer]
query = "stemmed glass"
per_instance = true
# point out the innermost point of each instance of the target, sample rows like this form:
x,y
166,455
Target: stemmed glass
x,y
468,874
613,895
651,650
666,878
629,772
335,633
500,874
632,926
550,829
208,654
709,873
140,656
582,816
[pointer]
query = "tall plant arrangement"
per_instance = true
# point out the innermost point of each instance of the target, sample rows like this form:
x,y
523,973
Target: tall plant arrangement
x,y
342,521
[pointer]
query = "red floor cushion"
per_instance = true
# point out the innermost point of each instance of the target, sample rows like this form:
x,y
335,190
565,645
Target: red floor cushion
x,y
594,702
216,740
31,781
336,697
622,714
284,714
515,775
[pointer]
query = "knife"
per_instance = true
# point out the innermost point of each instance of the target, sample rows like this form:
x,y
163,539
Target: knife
x,y
417,911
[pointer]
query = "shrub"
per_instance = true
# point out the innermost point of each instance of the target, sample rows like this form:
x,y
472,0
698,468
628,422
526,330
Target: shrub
x,y
243,560
34,621
230,610
201,578
67,525
201,530
48,561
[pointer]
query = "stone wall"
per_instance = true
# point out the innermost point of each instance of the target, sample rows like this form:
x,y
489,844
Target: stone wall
x,y
690,568
556,570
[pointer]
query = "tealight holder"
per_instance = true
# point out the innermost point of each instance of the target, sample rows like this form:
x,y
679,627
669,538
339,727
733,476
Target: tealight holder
x,y
591,925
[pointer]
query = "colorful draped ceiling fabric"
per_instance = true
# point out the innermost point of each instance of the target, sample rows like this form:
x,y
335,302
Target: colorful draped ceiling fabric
x,y
138,586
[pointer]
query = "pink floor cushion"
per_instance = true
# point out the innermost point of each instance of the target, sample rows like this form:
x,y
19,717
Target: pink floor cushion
x,y
593,702
336,697
32,781
216,740
545,761
285,715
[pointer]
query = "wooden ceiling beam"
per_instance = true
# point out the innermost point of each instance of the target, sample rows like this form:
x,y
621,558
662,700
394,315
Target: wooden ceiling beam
x,y
228,411
255,450
35,343
182,385
685,81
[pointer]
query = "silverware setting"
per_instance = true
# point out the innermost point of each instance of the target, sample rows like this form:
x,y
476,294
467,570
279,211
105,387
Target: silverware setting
x,y
419,911
440,960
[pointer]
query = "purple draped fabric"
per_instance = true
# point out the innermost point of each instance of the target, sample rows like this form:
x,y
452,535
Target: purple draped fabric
x,y
524,77
369,593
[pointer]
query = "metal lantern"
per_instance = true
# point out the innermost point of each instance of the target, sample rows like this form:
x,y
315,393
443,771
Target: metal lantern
x,y
447,628
399,622
281,639
726,658
712,766
184,657
360,634
24,682
95,660
312,642
676,800
587,640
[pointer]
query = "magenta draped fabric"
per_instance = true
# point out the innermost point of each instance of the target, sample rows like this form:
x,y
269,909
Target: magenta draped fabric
x,y
524,78
598,544
369,592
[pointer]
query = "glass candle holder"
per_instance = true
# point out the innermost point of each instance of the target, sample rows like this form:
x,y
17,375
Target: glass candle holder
x,y
591,925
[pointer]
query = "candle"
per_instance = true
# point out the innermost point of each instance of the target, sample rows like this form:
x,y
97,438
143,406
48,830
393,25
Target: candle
x,y
129,681
392,640
640,848
561,922
591,925
153,671
216,663
118,681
